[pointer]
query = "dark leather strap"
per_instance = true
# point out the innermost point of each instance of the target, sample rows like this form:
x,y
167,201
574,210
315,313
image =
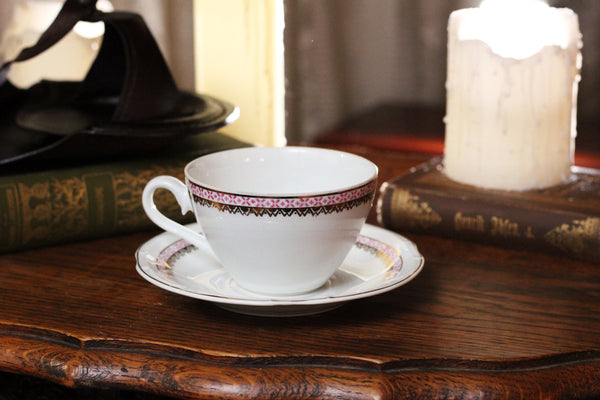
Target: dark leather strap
x,y
131,66
128,102
71,12
129,72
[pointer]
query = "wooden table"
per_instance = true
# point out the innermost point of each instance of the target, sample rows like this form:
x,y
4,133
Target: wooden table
x,y
478,323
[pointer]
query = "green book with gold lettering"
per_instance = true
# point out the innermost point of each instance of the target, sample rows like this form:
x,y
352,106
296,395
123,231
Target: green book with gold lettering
x,y
72,203
564,219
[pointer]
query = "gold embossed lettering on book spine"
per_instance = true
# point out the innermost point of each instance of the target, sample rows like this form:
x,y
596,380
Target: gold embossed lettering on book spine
x,y
576,236
82,202
564,219
415,213
62,206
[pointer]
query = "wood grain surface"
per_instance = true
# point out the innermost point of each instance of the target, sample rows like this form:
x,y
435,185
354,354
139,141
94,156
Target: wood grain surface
x,y
478,322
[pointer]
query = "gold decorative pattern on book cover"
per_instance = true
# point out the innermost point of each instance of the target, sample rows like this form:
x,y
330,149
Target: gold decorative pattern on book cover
x,y
577,236
414,213
54,207
562,219
130,184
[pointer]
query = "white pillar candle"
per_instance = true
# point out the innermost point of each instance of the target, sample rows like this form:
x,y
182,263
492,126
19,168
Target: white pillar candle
x,y
513,72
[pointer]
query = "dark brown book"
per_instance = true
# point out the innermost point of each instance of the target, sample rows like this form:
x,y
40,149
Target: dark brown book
x,y
564,219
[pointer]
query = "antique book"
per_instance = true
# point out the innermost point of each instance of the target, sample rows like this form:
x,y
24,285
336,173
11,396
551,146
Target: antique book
x,y
563,219
53,206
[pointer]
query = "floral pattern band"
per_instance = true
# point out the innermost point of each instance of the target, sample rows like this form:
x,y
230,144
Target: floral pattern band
x,y
283,206
390,256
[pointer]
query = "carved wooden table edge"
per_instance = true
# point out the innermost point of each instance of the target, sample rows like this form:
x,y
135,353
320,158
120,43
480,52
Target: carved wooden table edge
x,y
162,370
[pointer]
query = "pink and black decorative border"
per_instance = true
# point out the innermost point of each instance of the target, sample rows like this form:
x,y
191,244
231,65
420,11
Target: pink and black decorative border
x,y
381,249
392,258
283,206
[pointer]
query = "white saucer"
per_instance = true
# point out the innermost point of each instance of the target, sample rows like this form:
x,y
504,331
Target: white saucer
x,y
380,261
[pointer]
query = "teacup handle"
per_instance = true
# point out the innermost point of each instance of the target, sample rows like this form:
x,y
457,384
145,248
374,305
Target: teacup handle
x,y
180,192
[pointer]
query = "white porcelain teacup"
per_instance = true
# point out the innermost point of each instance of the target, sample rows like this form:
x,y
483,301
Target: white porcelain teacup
x,y
281,220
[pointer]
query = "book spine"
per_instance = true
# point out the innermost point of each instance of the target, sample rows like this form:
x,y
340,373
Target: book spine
x,y
48,208
429,211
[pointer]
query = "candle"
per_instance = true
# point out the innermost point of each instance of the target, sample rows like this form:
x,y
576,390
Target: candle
x,y
513,72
